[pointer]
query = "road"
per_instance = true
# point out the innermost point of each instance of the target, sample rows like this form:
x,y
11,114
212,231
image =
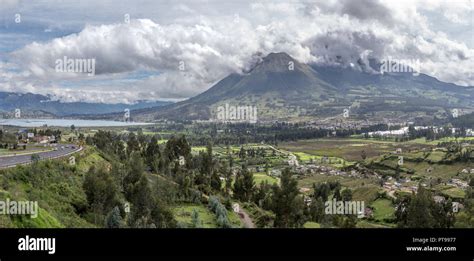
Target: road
x,y
62,150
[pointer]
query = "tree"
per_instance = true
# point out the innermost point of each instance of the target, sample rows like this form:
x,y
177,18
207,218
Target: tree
x,y
242,153
100,190
288,205
337,193
132,143
244,184
262,195
135,172
419,211
216,183
152,154
346,195
176,147
114,219
321,190
316,209
195,220
220,211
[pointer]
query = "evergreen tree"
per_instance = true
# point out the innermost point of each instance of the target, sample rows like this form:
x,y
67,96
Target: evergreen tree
x,y
346,195
216,183
114,219
288,205
152,154
195,220
419,211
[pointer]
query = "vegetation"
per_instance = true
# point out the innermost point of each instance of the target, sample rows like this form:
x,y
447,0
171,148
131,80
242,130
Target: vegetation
x,y
169,176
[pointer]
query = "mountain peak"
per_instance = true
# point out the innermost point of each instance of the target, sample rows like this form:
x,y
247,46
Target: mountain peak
x,y
280,55
276,62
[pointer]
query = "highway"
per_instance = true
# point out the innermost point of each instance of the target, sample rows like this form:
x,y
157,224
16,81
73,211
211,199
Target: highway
x,y
61,150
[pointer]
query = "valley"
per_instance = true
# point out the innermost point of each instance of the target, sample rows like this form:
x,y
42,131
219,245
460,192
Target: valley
x,y
269,148
245,173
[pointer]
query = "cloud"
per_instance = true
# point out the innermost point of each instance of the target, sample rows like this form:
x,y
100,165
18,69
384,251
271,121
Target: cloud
x,y
200,45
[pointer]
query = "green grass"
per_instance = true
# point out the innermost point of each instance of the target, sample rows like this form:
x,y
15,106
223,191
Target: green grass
x,y
197,149
383,209
261,177
311,225
304,156
234,219
183,215
436,156
368,224
454,193
93,158
367,193
348,182
56,187
163,141
43,220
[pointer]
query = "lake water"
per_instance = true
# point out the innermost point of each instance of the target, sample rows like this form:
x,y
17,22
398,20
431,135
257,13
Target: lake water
x,y
67,123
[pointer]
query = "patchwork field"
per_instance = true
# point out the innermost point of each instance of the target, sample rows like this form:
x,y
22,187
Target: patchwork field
x,y
349,149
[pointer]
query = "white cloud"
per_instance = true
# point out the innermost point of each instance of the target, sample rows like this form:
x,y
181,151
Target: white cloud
x,y
213,44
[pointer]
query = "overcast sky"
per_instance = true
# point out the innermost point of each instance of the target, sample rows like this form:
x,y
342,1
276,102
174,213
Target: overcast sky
x,y
140,60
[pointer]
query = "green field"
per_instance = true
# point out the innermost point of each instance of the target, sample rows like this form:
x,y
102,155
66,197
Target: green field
x,y
366,193
261,177
183,215
349,148
454,193
383,210
311,225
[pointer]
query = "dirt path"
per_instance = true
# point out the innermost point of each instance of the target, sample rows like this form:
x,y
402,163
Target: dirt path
x,y
246,220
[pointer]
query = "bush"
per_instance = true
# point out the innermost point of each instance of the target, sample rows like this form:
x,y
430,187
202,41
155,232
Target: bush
x,y
220,211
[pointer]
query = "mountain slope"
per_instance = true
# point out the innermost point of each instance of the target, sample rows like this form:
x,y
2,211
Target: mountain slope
x,y
278,86
284,89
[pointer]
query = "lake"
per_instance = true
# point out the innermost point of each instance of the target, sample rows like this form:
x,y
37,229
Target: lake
x,y
30,123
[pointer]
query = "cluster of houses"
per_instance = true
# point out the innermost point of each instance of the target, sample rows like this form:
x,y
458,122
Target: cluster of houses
x,y
308,169
458,183
29,137
333,124
404,185
404,131
466,171
456,205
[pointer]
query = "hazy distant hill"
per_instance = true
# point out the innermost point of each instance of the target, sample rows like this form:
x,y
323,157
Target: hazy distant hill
x,y
35,103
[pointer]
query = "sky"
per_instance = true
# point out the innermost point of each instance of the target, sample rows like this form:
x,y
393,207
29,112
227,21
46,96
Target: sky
x,y
173,50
